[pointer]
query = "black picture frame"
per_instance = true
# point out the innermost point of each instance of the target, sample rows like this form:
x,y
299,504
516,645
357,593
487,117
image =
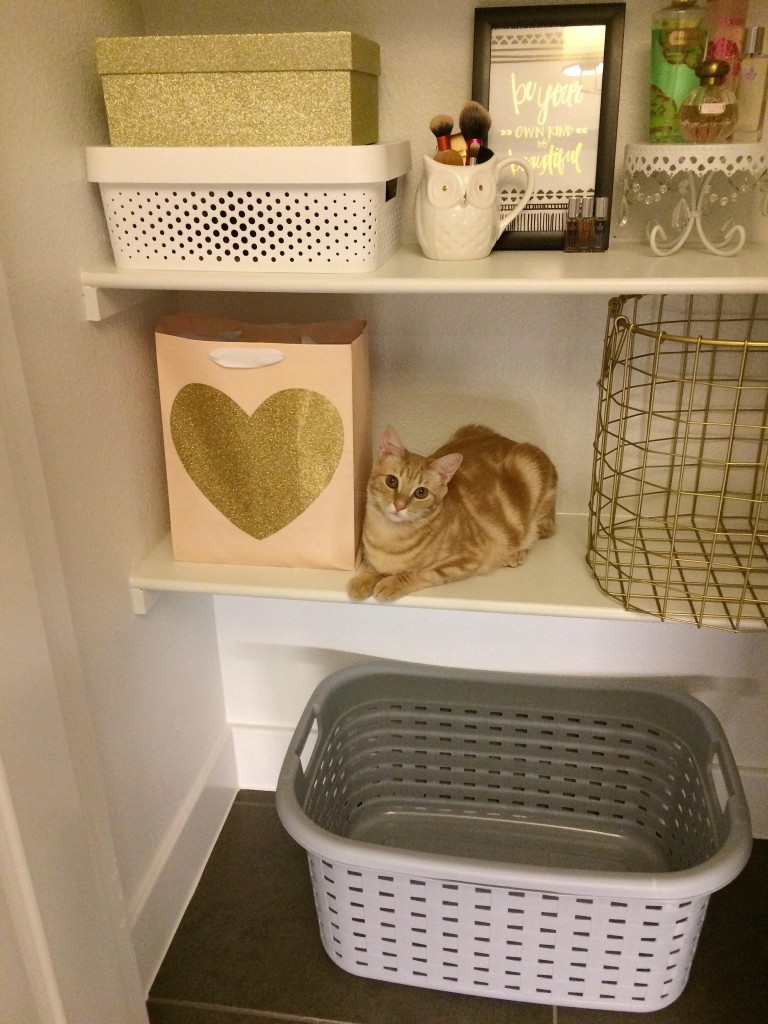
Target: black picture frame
x,y
541,224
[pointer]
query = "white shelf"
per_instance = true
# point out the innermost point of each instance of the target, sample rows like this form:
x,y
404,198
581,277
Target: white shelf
x,y
626,267
554,580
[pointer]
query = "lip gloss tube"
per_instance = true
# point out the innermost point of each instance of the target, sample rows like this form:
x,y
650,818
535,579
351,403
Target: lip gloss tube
x,y
572,225
586,224
601,225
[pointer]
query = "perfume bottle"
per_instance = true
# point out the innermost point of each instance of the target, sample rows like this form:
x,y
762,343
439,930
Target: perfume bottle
x,y
678,44
572,225
710,113
726,21
753,87
601,225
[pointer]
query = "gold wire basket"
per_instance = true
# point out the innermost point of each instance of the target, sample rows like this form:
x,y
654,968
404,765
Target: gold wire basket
x,y
678,510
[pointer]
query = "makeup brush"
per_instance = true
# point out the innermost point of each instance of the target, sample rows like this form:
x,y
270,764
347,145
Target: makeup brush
x,y
441,127
459,145
474,122
449,156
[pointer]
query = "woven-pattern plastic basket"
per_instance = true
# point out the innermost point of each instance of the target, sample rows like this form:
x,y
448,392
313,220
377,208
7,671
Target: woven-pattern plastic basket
x,y
305,209
552,841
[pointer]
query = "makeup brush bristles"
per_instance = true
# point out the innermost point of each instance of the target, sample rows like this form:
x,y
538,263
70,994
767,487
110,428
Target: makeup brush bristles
x,y
474,120
474,123
441,127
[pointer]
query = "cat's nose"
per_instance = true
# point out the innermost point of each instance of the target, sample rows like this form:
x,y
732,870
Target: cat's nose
x,y
399,505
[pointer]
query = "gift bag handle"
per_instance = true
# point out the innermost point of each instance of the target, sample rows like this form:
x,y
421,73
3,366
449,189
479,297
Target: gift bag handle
x,y
245,358
250,358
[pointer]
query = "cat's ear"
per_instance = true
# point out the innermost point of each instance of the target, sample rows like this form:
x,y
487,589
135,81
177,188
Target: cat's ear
x,y
390,443
446,466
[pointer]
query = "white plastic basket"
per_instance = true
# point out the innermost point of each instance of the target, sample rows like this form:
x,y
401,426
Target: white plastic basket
x,y
310,209
552,841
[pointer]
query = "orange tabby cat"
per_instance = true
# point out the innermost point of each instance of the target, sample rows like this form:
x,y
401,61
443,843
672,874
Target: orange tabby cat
x,y
479,502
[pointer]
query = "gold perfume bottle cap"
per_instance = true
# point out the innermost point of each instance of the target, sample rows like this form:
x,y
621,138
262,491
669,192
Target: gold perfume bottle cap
x,y
712,72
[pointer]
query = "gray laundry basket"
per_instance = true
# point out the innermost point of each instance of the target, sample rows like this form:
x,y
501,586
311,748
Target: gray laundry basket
x,y
548,840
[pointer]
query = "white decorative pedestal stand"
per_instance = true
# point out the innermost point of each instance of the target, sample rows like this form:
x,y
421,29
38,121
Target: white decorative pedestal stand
x,y
704,177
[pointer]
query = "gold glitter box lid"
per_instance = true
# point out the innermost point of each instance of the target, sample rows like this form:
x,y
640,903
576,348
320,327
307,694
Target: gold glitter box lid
x,y
278,51
275,89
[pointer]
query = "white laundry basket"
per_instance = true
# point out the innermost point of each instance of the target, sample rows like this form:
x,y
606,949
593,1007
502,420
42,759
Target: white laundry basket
x,y
552,841
332,209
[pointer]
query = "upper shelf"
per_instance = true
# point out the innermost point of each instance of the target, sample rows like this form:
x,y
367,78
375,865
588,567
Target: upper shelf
x,y
626,267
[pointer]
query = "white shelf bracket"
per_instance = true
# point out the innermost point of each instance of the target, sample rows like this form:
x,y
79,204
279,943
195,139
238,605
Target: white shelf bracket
x,y
142,600
102,303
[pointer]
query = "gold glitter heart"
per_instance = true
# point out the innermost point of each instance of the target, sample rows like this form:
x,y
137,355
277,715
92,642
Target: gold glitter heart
x,y
264,470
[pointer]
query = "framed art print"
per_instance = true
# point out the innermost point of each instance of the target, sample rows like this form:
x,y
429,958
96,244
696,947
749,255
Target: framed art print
x,y
550,79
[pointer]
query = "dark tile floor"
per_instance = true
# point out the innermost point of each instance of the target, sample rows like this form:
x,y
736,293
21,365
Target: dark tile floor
x,y
248,948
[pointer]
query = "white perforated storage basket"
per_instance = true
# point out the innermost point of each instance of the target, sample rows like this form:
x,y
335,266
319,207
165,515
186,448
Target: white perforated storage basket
x,y
552,841
306,208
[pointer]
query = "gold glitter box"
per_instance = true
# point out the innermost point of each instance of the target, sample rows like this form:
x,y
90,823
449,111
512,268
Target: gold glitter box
x,y
267,89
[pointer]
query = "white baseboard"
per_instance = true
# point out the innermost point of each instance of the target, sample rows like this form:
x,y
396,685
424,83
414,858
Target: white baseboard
x,y
155,909
755,783
259,751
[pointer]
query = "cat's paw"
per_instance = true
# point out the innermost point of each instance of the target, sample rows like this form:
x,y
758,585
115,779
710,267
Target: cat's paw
x,y
546,528
390,588
516,558
361,587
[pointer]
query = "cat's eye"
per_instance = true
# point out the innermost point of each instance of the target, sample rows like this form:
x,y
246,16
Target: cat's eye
x,y
391,481
421,492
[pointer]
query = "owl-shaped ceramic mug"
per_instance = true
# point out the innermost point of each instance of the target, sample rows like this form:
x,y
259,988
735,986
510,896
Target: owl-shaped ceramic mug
x,y
457,208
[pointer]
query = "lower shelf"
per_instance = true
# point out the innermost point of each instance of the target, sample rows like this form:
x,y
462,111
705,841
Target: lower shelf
x,y
554,580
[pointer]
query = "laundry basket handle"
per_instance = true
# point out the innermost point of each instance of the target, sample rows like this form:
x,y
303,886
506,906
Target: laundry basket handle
x,y
720,777
735,822
296,762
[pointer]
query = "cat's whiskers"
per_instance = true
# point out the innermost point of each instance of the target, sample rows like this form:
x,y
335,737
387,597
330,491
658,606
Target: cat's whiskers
x,y
398,515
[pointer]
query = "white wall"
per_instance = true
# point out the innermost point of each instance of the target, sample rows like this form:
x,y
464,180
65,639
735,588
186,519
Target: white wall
x,y
61,906
148,690
152,685
530,364
268,682
426,60
18,1003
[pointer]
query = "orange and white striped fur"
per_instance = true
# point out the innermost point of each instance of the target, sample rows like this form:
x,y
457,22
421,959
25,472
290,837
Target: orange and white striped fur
x,y
478,503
